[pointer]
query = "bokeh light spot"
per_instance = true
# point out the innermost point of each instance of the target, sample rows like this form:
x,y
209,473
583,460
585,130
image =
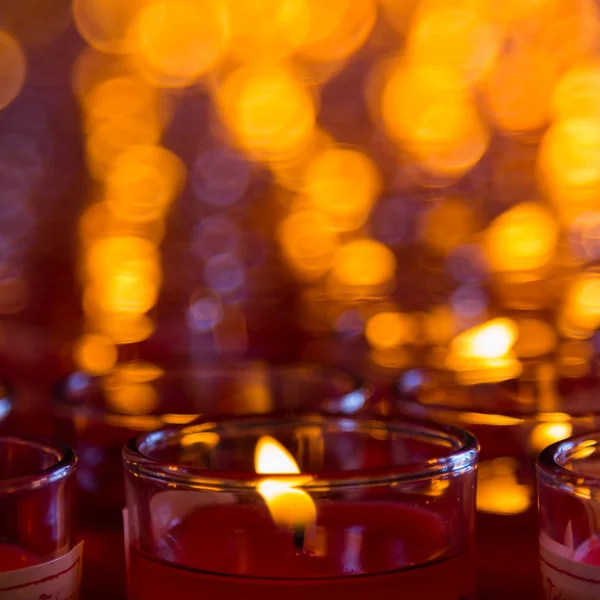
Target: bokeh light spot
x,y
180,40
569,165
429,111
453,36
364,263
390,330
142,182
521,239
13,69
343,185
132,398
95,354
268,110
309,242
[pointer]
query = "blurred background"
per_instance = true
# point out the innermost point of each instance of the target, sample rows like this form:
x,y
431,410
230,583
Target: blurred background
x,y
407,189
387,185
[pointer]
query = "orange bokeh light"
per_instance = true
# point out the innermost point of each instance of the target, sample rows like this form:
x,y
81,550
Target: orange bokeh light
x,y
453,36
518,90
13,69
364,263
577,94
582,303
342,184
113,137
269,111
387,330
142,182
569,165
267,30
521,239
105,24
108,252
178,41
120,98
95,354
430,112
309,242
337,28
132,398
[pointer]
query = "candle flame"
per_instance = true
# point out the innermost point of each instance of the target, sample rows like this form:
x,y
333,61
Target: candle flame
x,y
288,505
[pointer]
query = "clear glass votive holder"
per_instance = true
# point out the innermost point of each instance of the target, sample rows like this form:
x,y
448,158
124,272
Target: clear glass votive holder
x,y
341,507
568,475
513,421
6,407
37,535
98,415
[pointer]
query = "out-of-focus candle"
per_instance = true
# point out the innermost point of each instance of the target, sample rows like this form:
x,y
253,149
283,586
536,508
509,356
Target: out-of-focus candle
x,y
569,491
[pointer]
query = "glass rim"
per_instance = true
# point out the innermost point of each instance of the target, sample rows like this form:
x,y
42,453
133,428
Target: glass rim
x,y
550,468
65,465
480,417
152,421
480,414
462,456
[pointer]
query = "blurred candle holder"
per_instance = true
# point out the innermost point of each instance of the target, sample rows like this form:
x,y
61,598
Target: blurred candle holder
x,y
37,525
309,505
98,415
569,490
6,407
513,420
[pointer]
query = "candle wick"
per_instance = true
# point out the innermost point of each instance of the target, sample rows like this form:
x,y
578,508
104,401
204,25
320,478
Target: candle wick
x,y
299,538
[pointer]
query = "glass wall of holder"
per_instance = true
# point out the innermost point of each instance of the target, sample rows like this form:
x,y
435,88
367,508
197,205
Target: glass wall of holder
x,y
6,407
569,493
37,487
99,415
513,421
318,506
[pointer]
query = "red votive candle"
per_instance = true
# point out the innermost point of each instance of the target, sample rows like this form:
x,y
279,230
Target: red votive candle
x,y
305,505
569,505
38,555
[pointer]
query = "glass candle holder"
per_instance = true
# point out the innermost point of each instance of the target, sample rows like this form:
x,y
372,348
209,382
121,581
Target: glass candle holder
x,y
569,494
37,536
99,415
513,421
6,407
308,506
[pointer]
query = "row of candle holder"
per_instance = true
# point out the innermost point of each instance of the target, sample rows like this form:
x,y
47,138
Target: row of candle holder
x,y
349,499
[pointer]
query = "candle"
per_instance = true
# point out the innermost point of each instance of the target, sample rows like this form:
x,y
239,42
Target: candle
x,y
14,557
569,490
296,533
38,556
513,421
390,547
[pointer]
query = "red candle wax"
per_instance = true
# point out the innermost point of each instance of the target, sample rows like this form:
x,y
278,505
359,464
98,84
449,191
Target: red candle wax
x,y
13,557
378,548
589,552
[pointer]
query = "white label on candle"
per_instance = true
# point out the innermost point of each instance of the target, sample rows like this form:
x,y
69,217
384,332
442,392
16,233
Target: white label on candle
x,y
58,579
566,579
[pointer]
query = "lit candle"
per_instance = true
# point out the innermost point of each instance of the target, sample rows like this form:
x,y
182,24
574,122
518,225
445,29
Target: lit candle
x,y
289,506
240,516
